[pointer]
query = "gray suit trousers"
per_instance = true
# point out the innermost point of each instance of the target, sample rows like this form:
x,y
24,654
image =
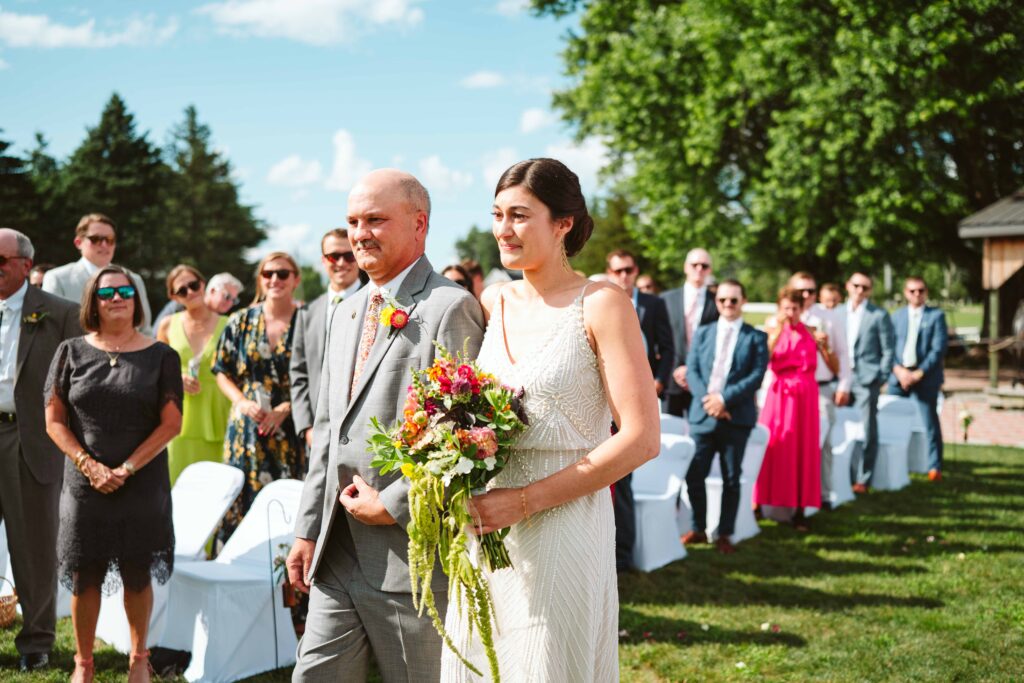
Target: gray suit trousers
x,y
30,512
349,619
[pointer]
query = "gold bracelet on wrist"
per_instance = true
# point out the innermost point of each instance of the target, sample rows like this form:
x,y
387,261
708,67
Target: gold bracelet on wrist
x,y
522,499
80,458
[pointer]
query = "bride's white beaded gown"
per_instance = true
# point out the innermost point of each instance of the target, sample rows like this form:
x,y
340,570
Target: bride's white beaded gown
x,y
557,609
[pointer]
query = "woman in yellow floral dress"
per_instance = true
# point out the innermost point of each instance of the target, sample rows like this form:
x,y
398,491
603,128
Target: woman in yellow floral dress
x,y
252,370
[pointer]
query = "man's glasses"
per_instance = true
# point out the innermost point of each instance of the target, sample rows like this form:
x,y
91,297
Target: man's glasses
x,y
101,239
731,300
281,273
921,290
107,293
629,270
808,291
857,285
184,289
335,256
227,296
4,260
701,266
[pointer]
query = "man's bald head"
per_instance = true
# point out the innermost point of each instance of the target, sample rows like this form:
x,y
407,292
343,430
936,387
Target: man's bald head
x,y
697,267
388,217
407,184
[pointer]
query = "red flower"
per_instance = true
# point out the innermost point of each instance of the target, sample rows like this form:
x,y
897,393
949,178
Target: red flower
x,y
399,319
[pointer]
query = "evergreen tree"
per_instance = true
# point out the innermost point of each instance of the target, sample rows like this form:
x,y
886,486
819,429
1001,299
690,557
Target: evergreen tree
x,y
19,202
480,246
52,234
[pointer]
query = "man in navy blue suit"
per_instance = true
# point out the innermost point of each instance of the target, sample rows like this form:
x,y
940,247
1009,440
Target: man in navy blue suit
x,y
725,366
921,339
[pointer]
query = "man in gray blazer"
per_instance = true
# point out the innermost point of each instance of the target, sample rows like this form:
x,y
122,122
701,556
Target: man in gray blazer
x,y
311,328
870,341
32,326
96,238
351,546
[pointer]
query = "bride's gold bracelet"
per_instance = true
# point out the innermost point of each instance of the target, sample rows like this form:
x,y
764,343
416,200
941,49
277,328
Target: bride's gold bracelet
x,y
522,499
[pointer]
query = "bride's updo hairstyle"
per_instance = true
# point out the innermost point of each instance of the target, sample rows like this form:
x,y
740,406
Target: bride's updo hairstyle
x,y
551,181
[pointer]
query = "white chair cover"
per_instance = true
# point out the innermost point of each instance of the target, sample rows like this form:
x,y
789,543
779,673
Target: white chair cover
x,y
895,422
673,424
201,495
746,524
229,612
917,451
847,442
656,486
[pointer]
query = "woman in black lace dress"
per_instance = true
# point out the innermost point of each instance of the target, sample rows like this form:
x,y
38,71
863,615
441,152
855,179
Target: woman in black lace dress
x,y
113,402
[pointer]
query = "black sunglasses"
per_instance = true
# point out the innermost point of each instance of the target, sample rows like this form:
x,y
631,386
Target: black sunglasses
x,y
916,291
183,290
281,273
808,290
461,282
4,260
628,270
728,299
702,266
857,285
346,256
107,293
100,239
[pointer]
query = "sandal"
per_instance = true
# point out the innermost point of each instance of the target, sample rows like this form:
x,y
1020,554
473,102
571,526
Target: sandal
x,y
140,659
84,671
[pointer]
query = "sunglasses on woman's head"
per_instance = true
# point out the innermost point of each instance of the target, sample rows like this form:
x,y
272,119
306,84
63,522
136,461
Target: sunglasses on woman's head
x,y
100,239
107,293
281,273
335,256
184,289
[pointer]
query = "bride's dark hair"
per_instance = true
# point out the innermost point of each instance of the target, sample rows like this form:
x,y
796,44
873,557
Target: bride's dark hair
x,y
551,181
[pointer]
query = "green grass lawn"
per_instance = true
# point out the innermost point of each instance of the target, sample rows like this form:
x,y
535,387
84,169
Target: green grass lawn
x,y
925,584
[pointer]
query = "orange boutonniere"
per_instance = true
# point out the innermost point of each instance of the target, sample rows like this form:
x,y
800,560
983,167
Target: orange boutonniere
x,y
393,315
34,318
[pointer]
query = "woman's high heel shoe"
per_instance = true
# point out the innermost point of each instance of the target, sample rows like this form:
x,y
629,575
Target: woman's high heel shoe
x,y
83,670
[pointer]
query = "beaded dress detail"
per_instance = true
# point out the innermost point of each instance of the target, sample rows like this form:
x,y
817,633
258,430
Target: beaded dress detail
x,y
557,609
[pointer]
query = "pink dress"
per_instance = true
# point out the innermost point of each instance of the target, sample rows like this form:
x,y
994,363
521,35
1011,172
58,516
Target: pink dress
x,y
791,472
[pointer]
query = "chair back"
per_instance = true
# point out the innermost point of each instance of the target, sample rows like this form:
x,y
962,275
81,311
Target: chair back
x,y
664,474
897,419
887,401
757,444
271,519
673,424
201,495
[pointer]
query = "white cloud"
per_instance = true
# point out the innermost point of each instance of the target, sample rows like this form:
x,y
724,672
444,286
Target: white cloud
x,y
296,239
4,64
348,168
584,159
38,30
483,79
511,8
497,162
293,171
534,119
316,22
439,178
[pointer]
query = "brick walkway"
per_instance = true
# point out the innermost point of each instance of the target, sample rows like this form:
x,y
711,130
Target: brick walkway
x,y
990,426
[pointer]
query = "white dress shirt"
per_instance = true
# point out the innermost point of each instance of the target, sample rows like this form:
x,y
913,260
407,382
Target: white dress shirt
x,y
689,292
833,323
854,317
10,330
722,326
914,316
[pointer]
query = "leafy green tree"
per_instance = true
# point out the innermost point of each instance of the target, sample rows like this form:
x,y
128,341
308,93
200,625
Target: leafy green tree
x,y
479,245
312,283
610,233
206,223
19,201
53,231
813,135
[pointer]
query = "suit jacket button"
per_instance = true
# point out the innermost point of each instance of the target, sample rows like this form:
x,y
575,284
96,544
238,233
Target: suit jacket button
x,y
343,440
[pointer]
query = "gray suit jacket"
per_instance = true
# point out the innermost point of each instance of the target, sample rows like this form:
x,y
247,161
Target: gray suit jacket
x,y
68,281
57,321
307,362
677,319
873,351
438,309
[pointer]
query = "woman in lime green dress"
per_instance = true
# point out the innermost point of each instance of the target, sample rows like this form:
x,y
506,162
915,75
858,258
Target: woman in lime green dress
x,y
194,334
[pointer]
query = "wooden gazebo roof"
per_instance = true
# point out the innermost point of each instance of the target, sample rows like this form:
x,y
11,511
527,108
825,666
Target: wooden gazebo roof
x,y
1004,218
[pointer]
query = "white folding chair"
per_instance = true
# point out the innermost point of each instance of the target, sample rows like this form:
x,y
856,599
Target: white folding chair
x,y
895,422
201,495
917,451
847,442
229,613
656,486
673,424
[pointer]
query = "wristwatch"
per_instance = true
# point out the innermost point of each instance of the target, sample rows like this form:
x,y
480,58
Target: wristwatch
x,y
128,467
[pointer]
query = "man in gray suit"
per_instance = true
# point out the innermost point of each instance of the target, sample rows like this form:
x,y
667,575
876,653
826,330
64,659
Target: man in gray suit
x,y
32,326
96,238
311,328
351,546
870,341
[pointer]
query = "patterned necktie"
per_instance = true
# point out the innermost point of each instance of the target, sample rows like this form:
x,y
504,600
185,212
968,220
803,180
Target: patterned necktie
x,y
717,381
691,318
370,325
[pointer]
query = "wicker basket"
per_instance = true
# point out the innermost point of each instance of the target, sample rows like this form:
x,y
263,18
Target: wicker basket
x,y
8,606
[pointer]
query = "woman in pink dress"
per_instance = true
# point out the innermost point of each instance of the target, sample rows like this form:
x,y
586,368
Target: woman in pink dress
x,y
791,472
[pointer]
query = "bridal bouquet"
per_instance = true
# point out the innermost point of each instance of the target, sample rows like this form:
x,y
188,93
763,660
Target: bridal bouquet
x,y
458,426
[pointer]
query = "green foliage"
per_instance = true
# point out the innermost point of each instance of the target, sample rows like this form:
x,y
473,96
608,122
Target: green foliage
x,y
820,136
312,283
611,233
20,204
479,245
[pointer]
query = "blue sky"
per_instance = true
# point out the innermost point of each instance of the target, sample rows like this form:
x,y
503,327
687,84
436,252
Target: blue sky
x,y
303,96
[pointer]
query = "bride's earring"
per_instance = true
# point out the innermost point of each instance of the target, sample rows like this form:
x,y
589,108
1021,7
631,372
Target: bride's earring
x,y
565,256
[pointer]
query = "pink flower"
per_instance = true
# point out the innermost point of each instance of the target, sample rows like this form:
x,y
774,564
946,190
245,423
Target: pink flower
x,y
485,441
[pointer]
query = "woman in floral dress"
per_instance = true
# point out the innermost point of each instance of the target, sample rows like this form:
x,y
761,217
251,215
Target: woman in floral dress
x,y
251,366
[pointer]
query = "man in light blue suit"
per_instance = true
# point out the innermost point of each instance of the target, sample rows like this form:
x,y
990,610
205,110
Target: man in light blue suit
x,y
869,341
921,339
725,366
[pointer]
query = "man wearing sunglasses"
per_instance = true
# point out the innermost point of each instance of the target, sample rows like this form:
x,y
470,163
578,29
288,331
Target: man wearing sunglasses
x,y
689,307
869,341
96,239
725,367
308,344
33,323
921,341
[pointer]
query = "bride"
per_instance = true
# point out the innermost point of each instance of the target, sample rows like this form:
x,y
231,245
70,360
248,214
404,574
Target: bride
x,y
575,347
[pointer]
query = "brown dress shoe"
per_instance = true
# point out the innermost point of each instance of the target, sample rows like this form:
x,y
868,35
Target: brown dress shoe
x,y
934,475
860,488
724,545
692,537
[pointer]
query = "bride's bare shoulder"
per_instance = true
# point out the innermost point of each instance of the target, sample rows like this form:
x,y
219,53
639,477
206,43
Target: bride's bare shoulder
x,y
489,297
604,297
